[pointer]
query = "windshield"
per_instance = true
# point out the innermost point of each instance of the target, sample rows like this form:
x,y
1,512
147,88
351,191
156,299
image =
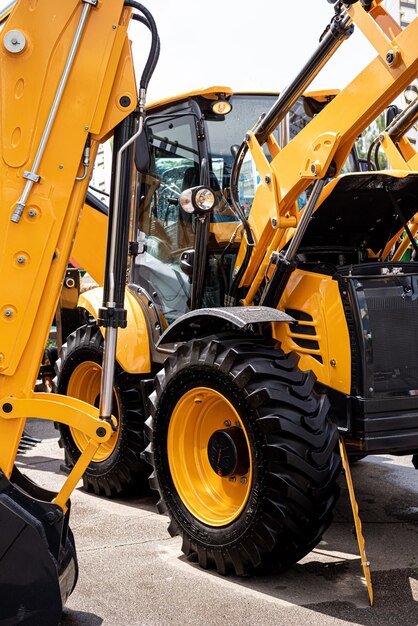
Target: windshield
x,y
225,137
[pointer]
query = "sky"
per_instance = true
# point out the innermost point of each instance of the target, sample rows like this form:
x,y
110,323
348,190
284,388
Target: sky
x,y
256,45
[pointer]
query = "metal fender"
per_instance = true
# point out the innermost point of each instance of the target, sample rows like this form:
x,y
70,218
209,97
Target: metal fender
x,y
133,349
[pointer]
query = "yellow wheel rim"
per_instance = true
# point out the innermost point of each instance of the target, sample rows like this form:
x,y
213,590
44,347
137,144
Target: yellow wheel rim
x,y
84,384
213,499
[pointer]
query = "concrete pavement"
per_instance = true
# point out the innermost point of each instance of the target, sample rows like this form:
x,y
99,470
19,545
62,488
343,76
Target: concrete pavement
x,y
132,573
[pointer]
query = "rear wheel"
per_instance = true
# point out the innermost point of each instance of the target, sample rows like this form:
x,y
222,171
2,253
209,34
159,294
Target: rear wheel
x,y
116,467
244,457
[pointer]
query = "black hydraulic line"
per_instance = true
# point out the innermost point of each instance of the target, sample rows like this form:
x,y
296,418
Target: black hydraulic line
x,y
369,156
154,51
403,220
403,122
340,28
143,20
376,155
200,260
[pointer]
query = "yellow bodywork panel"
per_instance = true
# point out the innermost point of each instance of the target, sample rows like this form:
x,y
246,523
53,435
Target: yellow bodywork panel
x,y
89,247
34,252
133,350
317,296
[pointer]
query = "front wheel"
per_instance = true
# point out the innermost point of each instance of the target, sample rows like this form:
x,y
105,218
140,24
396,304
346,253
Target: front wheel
x,y
244,456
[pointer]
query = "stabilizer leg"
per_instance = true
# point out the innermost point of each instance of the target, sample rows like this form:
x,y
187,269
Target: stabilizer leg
x,y
357,521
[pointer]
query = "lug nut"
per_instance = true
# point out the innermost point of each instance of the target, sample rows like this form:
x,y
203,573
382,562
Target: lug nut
x,y
243,480
227,423
232,479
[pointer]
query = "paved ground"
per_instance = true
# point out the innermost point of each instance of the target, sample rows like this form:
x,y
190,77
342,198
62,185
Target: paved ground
x,y
133,574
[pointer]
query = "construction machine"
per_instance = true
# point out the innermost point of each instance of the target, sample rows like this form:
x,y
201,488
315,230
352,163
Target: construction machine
x,y
190,137
291,324
67,84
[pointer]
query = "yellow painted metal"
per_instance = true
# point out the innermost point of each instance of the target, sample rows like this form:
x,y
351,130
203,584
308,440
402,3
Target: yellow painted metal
x,y
211,93
43,237
357,521
319,296
318,157
214,500
379,38
61,499
84,384
405,243
133,346
344,118
67,411
395,157
91,257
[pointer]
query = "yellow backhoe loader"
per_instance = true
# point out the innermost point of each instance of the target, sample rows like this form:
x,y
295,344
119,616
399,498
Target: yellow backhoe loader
x,y
291,324
188,132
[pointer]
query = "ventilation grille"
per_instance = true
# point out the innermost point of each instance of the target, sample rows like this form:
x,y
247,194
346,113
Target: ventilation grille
x,y
303,334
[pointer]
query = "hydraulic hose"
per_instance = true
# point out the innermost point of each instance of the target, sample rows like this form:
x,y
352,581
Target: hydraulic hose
x,y
155,42
236,168
143,20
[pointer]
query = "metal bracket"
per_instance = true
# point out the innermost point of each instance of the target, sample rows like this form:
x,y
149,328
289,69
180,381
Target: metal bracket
x,y
35,178
365,563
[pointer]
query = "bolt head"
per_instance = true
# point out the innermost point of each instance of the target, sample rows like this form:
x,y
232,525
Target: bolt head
x,y
32,213
313,168
100,432
8,312
267,179
232,479
390,57
227,423
21,259
243,480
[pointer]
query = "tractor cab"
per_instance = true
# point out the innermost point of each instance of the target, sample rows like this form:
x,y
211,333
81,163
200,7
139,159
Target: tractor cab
x,y
192,141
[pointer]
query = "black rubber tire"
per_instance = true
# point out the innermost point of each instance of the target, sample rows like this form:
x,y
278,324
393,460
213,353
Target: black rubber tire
x,y
123,471
293,445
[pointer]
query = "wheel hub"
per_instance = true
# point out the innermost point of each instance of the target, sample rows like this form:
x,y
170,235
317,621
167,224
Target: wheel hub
x,y
228,452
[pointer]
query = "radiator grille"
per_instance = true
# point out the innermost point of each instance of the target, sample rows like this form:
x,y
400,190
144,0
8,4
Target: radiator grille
x,y
393,318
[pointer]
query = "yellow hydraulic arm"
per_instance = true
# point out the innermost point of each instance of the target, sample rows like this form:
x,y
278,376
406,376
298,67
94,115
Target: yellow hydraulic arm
x,y
66,74
328,138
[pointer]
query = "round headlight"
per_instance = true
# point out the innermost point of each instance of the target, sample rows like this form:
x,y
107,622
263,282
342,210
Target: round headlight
x,y
186,201
221,107
204,199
